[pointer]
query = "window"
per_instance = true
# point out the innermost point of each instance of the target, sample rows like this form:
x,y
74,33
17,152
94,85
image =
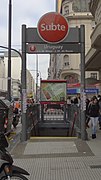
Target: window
x,y
94,75
72,78
66,9
66,61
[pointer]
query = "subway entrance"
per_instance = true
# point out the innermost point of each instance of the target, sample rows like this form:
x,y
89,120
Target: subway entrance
x,y
52,36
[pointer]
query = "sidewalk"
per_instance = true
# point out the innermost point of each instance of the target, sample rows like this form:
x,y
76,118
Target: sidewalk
x,y
95,144
60,158
14,137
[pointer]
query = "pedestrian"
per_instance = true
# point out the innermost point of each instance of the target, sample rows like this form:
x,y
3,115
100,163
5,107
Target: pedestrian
x,y
99,101
87,112
94,115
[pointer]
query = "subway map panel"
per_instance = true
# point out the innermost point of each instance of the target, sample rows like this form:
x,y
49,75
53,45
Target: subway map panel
x,y
53,91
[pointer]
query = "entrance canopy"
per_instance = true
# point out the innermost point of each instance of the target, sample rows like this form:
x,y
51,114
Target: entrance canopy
x,y
33,44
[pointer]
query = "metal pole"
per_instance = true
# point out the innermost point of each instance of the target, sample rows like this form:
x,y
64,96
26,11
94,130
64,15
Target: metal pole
x,y
36,78
56,6
23,82
83,97
35,71
9,51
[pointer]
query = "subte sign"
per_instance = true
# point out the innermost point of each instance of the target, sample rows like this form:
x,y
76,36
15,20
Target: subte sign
x,y
52,27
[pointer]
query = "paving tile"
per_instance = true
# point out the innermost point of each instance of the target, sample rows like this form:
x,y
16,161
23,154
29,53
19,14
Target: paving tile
x,y
62,159
60,168
50,147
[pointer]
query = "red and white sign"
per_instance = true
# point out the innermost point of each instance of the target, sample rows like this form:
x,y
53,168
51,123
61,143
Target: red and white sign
x,y
52,27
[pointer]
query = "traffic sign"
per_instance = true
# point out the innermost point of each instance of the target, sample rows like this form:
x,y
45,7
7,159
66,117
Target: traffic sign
x,y
52,27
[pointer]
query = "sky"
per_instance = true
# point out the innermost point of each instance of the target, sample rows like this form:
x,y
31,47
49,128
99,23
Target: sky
x,y
25,12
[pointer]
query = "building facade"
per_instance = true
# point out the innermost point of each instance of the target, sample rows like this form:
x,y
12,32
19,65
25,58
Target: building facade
x,y
30,85
2,67
93,57
15,89
15,75
67,66
2,73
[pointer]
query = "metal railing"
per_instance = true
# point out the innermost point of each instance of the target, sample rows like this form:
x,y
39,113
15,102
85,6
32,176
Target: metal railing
x,y
33,117
73,116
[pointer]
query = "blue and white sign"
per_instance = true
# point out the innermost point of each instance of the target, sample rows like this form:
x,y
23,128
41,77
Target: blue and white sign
x,y
87,91
73,91
92,91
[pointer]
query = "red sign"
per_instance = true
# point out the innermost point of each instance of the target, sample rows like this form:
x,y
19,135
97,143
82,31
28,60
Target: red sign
x,y
52,27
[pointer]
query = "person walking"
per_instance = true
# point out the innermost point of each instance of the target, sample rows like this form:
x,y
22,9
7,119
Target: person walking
x,y
99,101
87,112
94,115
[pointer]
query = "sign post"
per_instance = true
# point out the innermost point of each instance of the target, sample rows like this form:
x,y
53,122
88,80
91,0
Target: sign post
x,y
23,82
83,105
